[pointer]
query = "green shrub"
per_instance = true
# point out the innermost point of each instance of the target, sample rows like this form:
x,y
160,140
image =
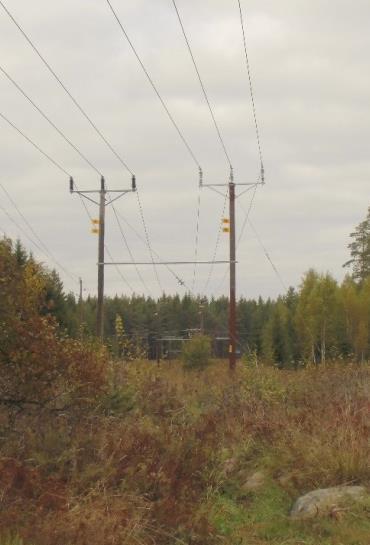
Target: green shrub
x,y
196,352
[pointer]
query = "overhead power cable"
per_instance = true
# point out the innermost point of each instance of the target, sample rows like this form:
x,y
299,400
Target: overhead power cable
x,y
118,270
32,230
222,142
151,81
274,267
37,243
251,87
74,100
197,235
217,244
55,163
148,239
22,230
247,214
68,141
170,270
51,123
128,249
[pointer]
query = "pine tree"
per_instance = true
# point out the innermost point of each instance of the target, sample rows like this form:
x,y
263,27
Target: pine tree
x,y
360,250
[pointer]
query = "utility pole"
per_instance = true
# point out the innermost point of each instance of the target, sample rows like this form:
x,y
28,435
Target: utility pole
x,y
100,230
80,304
100,307
201,315
230,227
232,305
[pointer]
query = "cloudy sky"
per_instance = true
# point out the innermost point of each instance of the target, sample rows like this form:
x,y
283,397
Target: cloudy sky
x,y
310,66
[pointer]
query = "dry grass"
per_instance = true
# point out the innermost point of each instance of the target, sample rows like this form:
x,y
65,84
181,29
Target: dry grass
x,y
154,459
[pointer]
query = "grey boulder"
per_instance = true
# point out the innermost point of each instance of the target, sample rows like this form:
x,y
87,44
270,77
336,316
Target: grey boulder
x,y
323,501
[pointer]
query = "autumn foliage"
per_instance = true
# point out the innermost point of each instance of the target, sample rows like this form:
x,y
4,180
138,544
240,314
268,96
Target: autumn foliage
x,y
95,452
38,364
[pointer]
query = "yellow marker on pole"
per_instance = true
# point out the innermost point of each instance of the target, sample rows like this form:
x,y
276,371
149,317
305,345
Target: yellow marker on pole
x,y
95,231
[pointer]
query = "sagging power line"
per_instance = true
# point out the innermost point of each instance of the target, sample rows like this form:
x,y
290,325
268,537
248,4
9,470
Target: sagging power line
x,y
154,86
85,115
210,108
43,248
50,159
67,91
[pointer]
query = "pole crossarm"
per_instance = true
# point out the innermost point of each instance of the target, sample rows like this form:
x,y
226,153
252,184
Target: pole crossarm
x,y
227,184
247,185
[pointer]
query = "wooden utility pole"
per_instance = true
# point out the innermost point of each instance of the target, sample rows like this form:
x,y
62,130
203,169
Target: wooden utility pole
x,y
232,304
201,317
229,227
100,307
100,230
80,304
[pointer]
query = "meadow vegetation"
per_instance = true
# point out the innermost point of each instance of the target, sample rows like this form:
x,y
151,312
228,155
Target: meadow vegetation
x,y
164,457
97,450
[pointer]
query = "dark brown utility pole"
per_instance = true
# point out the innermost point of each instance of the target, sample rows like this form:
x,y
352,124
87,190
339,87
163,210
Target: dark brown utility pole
x,y
100,230
80,304
100,307
232,305
201,316
229,227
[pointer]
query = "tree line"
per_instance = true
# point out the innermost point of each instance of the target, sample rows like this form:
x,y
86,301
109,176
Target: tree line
x,y
319,321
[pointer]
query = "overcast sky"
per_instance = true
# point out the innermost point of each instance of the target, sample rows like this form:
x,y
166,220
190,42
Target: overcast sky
x,y
310,65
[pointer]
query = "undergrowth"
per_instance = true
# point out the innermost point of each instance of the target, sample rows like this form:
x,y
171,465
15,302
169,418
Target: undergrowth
x,y
163,458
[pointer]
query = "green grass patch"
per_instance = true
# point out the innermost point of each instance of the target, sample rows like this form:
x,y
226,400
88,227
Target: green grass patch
x,y
263,519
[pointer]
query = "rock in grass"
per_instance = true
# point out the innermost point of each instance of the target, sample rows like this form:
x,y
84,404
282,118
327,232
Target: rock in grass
x,y
323,501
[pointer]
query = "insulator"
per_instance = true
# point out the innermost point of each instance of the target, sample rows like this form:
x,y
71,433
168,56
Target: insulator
x,y
133,182
71,185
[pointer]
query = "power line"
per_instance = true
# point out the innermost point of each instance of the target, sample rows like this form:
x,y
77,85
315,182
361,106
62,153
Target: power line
x,y
180,133
251,88
84,113
55,163
128,249
60,132
74,100
217,244
247,214
178,279
72,276
22,230
197,235
267,255
45,248
119,272
148,240
222,142
51,123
